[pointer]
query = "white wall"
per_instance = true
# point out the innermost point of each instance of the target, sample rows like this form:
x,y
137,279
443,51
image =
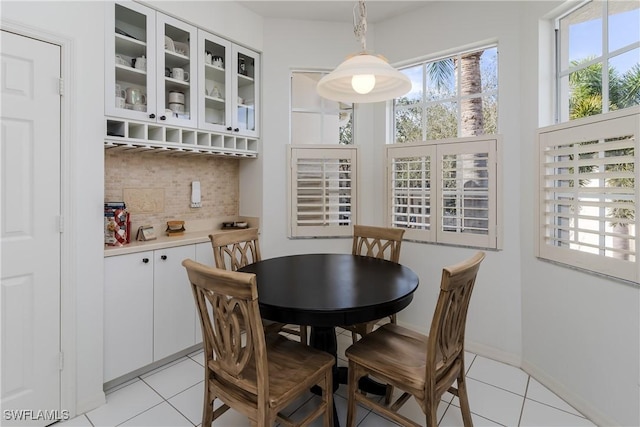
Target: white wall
x,y
580,331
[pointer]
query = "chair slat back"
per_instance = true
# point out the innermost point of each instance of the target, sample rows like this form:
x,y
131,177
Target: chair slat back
x,y
235,249
446,337
378,242
234,342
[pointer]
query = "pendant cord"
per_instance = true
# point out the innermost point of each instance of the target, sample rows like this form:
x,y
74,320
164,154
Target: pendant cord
x,y
360,23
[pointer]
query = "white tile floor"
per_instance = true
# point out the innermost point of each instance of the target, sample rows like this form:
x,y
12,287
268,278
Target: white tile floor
x,y
499,394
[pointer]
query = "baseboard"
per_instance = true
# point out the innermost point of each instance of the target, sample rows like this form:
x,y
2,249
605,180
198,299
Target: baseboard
x,y
494,354
567,395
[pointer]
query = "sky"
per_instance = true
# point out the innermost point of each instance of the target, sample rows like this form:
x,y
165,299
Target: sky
x,y
585,38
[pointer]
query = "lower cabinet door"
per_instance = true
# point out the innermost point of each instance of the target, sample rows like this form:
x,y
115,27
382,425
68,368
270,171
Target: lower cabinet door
x,y
204,255
128,313
173,304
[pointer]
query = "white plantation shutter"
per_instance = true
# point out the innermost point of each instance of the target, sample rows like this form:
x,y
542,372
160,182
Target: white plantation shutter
x,y
410,190
446,191
587,194
467,191
323,192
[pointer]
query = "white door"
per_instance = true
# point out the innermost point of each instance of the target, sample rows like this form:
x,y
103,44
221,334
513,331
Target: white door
x,y
30,236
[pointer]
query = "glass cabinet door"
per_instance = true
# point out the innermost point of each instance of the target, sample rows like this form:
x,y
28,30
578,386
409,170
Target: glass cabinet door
x,y
246,87
130,73
214,87
177,72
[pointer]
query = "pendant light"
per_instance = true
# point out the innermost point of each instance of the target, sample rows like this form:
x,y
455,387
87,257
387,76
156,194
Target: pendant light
x,y
363,77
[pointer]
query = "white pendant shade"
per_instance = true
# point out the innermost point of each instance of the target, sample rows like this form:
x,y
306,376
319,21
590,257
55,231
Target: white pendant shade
x,y
351,81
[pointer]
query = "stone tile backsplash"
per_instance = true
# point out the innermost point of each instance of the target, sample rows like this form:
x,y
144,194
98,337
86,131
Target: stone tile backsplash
x,y
157,188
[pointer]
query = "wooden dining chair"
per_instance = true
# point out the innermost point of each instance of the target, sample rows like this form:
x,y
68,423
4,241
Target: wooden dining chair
x,y
378,242
424,367
237,248
254,373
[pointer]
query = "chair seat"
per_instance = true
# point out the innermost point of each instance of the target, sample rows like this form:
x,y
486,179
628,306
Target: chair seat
x,y
292,367
395,350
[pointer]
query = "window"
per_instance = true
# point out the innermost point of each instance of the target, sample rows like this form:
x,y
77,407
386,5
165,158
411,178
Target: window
x,y
322,191
322,160
450,97
316,120
446,192
587,193
598,59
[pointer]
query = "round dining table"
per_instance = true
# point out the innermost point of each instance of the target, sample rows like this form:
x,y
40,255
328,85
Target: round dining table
x,y
328,290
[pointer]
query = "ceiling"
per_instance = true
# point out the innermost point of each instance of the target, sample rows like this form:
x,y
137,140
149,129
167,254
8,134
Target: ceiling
x,y
331,10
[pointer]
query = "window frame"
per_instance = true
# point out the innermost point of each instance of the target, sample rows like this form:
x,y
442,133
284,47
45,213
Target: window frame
x,y
491,144
562,96
322,111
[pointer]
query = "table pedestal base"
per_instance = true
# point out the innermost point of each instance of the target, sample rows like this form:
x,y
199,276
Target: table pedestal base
x,y
324,338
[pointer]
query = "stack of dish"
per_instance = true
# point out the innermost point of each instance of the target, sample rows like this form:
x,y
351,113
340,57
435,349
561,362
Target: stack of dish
x,y
176,102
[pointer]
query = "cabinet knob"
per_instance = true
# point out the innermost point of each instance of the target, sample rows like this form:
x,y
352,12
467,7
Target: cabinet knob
x,y
236,130
145,260
229,128
163,257
152,116
163,117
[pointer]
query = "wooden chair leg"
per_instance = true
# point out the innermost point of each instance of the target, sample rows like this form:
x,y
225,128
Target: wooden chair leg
x,y
354,377
207,408
464,399
327,396
303,335
388,395
432,418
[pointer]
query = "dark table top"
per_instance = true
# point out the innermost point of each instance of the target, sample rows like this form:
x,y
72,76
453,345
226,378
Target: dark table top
x,y
331,289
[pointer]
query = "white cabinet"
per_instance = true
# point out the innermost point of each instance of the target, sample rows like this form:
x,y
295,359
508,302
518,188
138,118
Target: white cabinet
x,y
173,305
138,35
149,311
128,313
228,85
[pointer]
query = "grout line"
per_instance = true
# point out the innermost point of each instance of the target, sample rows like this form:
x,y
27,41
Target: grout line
x,y
526,390
498,387
178,411
578,414
140,413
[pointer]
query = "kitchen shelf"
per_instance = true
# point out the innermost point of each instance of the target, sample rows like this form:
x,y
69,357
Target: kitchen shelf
x,y
129,135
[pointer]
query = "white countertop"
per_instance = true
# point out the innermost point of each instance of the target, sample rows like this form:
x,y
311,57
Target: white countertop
x,y
197,232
